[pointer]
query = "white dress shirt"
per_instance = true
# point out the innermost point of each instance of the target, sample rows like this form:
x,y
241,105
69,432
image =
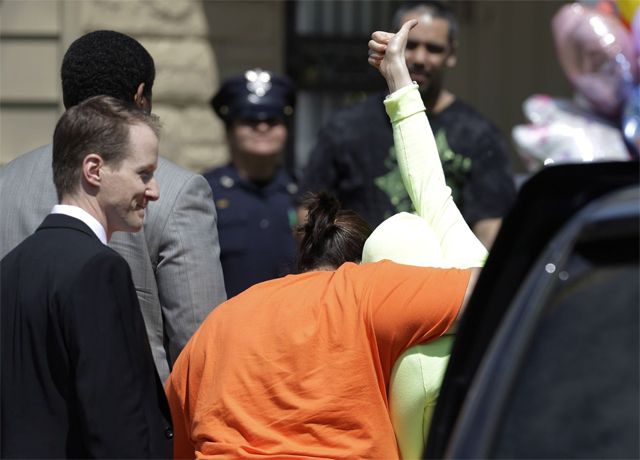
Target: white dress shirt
x,y
84,216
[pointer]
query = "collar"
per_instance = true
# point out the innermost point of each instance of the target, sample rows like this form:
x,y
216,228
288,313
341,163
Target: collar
x,y
84,216
280,181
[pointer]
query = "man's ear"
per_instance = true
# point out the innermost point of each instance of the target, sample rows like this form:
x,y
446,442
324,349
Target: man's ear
x,y
140,99
92,169
452,59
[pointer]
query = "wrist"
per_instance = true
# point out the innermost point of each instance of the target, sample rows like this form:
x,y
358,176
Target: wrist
x,y
398,81
397,76
404,102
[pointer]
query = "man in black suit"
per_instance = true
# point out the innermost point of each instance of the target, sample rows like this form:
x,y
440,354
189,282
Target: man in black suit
x,y
175,259
78,377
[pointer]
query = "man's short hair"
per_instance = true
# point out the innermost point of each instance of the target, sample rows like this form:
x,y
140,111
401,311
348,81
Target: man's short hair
x,y
98,125
434,8
105,62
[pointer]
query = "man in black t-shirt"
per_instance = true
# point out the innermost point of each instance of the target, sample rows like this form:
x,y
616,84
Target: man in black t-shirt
x,y
354,157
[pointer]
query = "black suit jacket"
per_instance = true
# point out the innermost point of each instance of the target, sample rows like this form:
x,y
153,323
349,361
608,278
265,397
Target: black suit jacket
x,y
78,378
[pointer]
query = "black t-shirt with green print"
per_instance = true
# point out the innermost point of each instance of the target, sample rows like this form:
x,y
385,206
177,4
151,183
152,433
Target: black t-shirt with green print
x,y
355,160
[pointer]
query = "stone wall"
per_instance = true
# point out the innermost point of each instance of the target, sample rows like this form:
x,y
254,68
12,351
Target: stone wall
x,y
175,33
29,61
247,34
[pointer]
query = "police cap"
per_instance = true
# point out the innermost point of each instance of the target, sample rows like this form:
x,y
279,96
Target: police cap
x,y
255,95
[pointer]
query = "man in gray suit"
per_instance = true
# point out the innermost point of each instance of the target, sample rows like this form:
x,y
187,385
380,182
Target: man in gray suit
x,y
175,259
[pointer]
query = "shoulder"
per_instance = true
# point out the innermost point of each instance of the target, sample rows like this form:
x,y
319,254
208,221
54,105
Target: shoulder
x,y
101,274
371,107
355,124
223,177
177,183
466,113
174,179
171,176
88,247
168,167
219,172
105,255
185,202
102,264
283,180
38,157
77,251
361,275
387,273
42,153
468,132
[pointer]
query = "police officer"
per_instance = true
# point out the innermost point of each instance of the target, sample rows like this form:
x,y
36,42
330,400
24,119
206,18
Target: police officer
x,y
254,194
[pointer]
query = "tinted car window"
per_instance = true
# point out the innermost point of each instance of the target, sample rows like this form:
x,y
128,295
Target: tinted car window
x,y
577,393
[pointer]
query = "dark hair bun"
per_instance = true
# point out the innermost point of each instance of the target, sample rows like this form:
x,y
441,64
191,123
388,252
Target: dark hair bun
x,y
330,236
322,211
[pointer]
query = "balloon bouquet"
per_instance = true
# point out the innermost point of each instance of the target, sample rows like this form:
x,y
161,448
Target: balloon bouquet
x,y
598,46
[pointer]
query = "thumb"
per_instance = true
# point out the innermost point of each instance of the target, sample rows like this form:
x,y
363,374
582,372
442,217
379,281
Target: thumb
x,y
406,27
398,43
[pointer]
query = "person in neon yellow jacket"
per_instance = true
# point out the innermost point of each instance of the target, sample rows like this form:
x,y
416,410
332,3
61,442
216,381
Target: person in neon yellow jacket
x,y
435,236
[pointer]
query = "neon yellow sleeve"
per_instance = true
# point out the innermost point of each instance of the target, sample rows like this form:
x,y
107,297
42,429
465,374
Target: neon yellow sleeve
x,y
415,385
424,180
437,236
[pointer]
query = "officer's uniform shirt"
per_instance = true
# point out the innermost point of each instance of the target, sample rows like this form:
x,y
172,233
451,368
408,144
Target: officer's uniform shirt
x,y
255,226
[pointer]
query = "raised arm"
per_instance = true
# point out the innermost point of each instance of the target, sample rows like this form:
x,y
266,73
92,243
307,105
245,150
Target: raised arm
x,y
438,236
418,156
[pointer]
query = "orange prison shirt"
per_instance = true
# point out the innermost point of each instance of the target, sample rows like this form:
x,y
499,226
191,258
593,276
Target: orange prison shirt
x,y
298,367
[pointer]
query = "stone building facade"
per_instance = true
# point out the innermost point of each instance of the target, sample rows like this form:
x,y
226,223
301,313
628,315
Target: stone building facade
x,y
506,54
181,36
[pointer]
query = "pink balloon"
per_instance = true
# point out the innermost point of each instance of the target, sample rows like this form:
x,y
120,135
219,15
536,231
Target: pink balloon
x,y
597,55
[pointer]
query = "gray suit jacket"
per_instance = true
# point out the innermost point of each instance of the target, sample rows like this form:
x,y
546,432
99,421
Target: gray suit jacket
x,y
175,259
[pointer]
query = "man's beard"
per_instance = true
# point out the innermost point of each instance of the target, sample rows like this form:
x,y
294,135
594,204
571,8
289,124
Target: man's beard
x,y
430,93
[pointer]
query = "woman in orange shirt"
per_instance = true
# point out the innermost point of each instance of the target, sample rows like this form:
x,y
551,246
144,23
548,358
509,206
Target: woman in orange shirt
x,y
298,367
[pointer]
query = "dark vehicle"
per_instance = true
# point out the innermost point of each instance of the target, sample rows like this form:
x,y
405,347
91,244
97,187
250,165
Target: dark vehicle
x,y
546,359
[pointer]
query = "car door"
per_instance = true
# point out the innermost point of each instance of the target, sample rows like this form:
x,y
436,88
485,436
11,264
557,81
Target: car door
x,y
544,205
560,379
